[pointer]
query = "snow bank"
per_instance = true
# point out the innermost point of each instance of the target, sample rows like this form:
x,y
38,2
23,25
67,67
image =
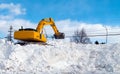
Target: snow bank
x,y
59,57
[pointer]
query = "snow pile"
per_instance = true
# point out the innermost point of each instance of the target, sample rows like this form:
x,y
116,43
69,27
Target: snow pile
x,y
59,58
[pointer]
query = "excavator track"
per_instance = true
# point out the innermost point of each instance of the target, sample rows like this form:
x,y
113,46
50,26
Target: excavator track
x,y
22,43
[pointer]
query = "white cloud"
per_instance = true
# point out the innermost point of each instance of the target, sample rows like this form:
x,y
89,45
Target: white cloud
x,y
13,8
9,11
6,17
69,27
16,23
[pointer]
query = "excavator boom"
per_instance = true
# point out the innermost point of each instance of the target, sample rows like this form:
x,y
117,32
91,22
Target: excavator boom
x,y
50,21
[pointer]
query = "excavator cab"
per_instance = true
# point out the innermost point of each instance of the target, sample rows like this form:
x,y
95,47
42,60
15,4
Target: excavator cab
x,y
29,35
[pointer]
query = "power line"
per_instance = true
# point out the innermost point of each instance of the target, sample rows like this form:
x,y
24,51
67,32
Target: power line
x,y
97,35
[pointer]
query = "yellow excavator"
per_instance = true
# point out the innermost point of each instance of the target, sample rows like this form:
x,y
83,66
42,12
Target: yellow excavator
x,y
36,35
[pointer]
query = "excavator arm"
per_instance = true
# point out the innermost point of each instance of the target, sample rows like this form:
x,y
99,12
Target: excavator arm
x,y
50,21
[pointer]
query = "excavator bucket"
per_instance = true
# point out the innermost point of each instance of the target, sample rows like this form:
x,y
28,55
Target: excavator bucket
x,y
60,36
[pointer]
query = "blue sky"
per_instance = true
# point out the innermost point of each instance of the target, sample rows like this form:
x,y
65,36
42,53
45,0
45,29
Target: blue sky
x,y
89,11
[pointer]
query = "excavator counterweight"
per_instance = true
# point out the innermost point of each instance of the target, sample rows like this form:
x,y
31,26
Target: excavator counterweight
x,y
36,35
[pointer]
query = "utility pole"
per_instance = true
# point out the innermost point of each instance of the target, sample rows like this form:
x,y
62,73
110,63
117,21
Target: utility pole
x,y
106,34
9,37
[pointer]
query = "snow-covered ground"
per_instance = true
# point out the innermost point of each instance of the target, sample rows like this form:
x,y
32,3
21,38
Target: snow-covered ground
x,y
59,57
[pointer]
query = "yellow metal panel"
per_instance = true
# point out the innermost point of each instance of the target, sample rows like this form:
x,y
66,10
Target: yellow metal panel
x,y
29,36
